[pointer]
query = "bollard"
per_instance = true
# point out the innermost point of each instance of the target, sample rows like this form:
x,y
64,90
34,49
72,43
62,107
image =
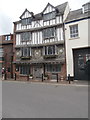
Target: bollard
x,y
5,76
42,77
15,76
57,78
69,78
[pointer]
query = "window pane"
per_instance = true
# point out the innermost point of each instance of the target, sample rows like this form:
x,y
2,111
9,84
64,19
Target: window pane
x,y
49,16
25,36
74,31
50,32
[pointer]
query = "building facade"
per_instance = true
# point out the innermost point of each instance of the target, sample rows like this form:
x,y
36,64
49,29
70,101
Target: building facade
x,y
6,54
78,43
39,43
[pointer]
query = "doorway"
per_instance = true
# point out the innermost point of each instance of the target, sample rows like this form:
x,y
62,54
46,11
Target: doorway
x,y
81,58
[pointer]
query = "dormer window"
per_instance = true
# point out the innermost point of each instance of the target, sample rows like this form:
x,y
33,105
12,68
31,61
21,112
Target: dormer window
x,y
86,7
49,16
26,21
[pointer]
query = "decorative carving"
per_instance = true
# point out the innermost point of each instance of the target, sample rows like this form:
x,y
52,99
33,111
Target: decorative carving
x,y
37,53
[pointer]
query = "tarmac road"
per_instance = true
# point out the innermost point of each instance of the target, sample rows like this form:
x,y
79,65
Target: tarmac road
x,y
35,100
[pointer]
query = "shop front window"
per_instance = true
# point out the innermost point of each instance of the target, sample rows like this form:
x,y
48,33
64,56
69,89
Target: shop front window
x,y
53,68
25,69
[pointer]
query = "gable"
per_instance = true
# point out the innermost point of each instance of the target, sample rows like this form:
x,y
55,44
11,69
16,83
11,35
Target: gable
x,y
26,14
49,8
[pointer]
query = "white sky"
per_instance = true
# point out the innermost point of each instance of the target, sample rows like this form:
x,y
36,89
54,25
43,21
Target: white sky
x,y
10,10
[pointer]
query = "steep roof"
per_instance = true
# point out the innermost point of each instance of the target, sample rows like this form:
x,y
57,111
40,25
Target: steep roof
x,y
60,10
76,14
62,7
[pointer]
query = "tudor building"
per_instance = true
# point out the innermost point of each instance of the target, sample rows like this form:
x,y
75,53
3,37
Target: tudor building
x,y
39,43
78,43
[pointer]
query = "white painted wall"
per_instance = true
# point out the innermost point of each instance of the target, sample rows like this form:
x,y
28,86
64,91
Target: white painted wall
x,y
49,9
80,42
18,39
37,37
26,15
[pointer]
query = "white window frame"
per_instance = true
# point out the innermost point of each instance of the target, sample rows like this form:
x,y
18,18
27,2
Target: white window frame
x,y
53,52
28,52
74,33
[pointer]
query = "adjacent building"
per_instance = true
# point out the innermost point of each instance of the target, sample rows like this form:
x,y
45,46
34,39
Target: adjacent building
x,y
78,43
39,43
6,54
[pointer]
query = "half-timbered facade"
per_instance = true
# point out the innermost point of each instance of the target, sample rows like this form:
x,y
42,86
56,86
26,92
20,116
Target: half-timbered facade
x,y
39,42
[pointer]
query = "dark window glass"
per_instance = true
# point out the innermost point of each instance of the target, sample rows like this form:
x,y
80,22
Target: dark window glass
x,y
1,58
50,50
9,69
49,32
25,69
26,21
49,16
25,52
25,36
53,68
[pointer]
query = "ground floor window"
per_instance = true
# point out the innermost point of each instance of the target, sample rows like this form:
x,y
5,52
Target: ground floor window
x,y
53,67
25,69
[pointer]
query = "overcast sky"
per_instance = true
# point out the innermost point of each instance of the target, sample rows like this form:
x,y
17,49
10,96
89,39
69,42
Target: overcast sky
x,y
10,10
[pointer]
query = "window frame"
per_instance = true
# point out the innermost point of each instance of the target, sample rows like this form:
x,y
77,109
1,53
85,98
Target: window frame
x,y
26,21
74,32
28,50
8,37
49,33
24,34
53,52
50,15
24,69
53,68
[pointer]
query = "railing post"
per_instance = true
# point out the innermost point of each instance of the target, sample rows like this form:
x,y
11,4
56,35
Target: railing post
x,y
15,76
57,78
69,78
42,77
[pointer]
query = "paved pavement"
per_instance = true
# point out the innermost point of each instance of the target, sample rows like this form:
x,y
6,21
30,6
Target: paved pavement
x,y
40,100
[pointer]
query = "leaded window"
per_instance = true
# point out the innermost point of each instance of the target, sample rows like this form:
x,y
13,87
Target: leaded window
x,y
49,16
50,50
74,31
49,32
26,21
25,69
26,52
53,67
26,36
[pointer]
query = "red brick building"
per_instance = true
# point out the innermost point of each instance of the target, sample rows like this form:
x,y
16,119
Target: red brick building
x,y
6,54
